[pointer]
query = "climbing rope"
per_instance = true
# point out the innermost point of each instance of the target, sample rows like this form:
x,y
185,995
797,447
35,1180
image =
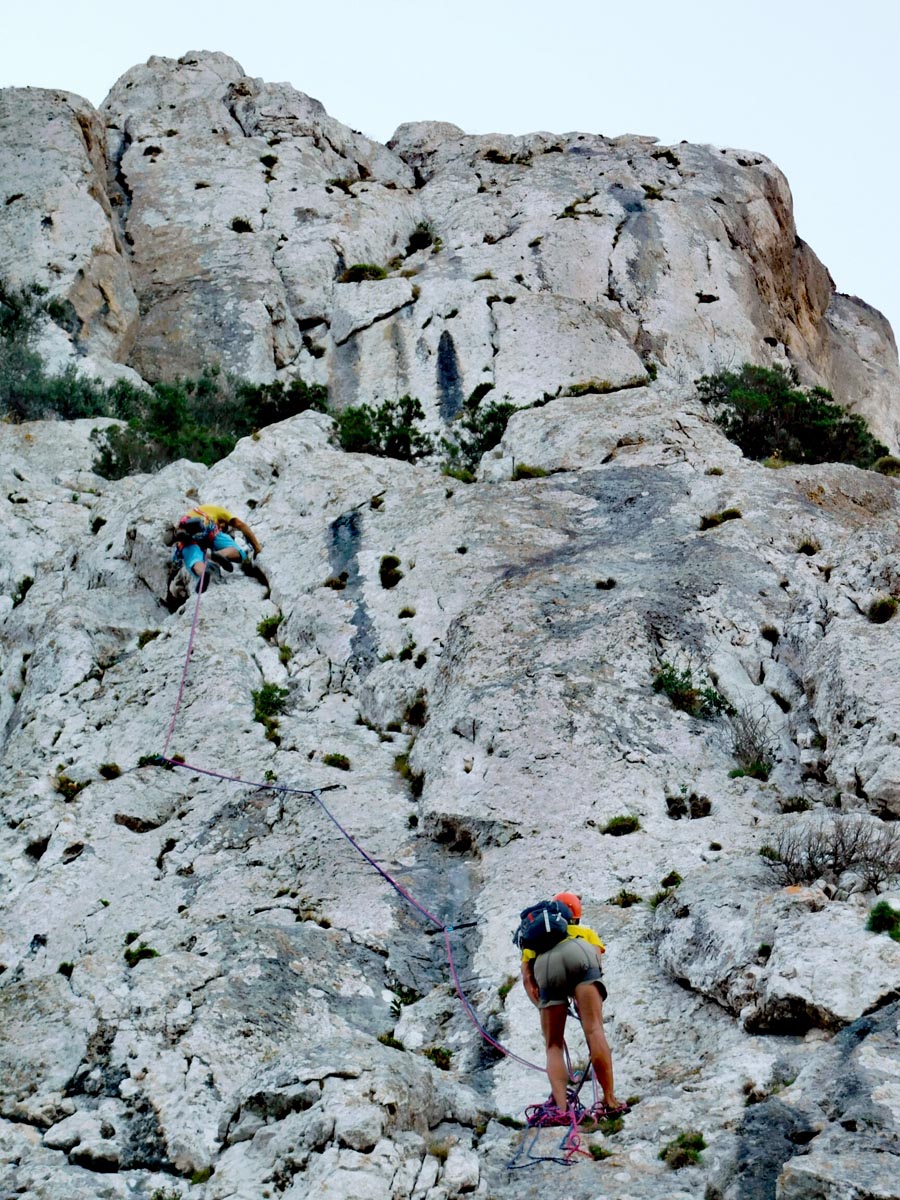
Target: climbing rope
x,y
570,1145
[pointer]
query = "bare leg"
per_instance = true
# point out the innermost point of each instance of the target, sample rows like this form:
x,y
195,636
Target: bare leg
x,y
590,1009
553,1027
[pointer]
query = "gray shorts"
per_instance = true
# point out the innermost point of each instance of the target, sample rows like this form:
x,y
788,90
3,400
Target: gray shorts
x,y
558,971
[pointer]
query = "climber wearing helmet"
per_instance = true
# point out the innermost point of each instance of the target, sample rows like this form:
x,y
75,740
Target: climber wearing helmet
x,y
571,970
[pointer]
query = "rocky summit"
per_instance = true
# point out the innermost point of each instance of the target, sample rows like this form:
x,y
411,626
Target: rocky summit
x,y
263,849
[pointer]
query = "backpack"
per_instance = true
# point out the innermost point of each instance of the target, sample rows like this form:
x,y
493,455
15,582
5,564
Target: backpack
x,y
543,925
196,527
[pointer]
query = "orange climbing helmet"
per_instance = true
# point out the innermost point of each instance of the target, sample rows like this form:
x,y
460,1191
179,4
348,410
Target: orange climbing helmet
x,y
571,901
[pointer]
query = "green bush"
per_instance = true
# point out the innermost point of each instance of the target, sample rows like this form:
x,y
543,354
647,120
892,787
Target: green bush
x,y
883,918
200,419
507,986
684,1150
392,430
687,695
712,520
269,702
340,761
27,391
764,411
420,239
136,954
388,1039
619,826
625,899
440,1056
389,572
362,271
475,430
524,471
882,609
68,788
268,626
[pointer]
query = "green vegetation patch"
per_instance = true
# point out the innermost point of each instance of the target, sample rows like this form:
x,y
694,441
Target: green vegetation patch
x,y
884,918
692,696
767,413
477,428
392,430
389,572
525,471
340,761
440,1056
882,609
269,702
360,272
684,1150
619,826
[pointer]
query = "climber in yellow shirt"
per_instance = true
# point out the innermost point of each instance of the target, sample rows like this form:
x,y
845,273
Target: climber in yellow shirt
x,y
202,532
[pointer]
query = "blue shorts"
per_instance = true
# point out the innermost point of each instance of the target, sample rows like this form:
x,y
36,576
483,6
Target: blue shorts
x,y
193,553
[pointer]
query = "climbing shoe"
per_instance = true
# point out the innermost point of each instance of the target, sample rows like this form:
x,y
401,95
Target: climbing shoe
x,y
220,560
603,1112
540,1115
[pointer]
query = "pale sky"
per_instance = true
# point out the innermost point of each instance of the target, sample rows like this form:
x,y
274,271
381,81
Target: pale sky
x,y
812,84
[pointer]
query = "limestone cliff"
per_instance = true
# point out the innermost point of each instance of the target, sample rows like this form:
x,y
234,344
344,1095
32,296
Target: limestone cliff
x,y
201,979
231,209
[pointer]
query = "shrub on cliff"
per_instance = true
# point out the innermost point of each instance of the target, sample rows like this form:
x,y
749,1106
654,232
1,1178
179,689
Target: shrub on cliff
x,y
832,846
764,411
27,391
392,430
477,429
200,419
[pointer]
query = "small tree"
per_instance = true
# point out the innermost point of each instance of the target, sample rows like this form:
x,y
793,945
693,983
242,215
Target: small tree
x,y
752,742
829,848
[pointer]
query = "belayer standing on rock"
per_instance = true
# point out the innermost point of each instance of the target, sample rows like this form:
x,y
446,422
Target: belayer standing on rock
x,y
202,531
561,962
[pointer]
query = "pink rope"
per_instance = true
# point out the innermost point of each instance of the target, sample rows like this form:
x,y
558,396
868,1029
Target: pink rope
x,y
314,792
269,787
187,659
470,1011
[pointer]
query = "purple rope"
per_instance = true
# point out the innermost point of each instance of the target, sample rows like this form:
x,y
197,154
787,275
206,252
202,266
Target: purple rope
x,y
187,659
269,787
384,875
473,1017
314,792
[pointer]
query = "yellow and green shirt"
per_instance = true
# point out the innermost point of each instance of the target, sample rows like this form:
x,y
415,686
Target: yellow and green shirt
x,y
216,513
572,931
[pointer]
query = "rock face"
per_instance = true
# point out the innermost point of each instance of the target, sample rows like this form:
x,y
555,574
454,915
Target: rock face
x,y
232,209
201,979
56,223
